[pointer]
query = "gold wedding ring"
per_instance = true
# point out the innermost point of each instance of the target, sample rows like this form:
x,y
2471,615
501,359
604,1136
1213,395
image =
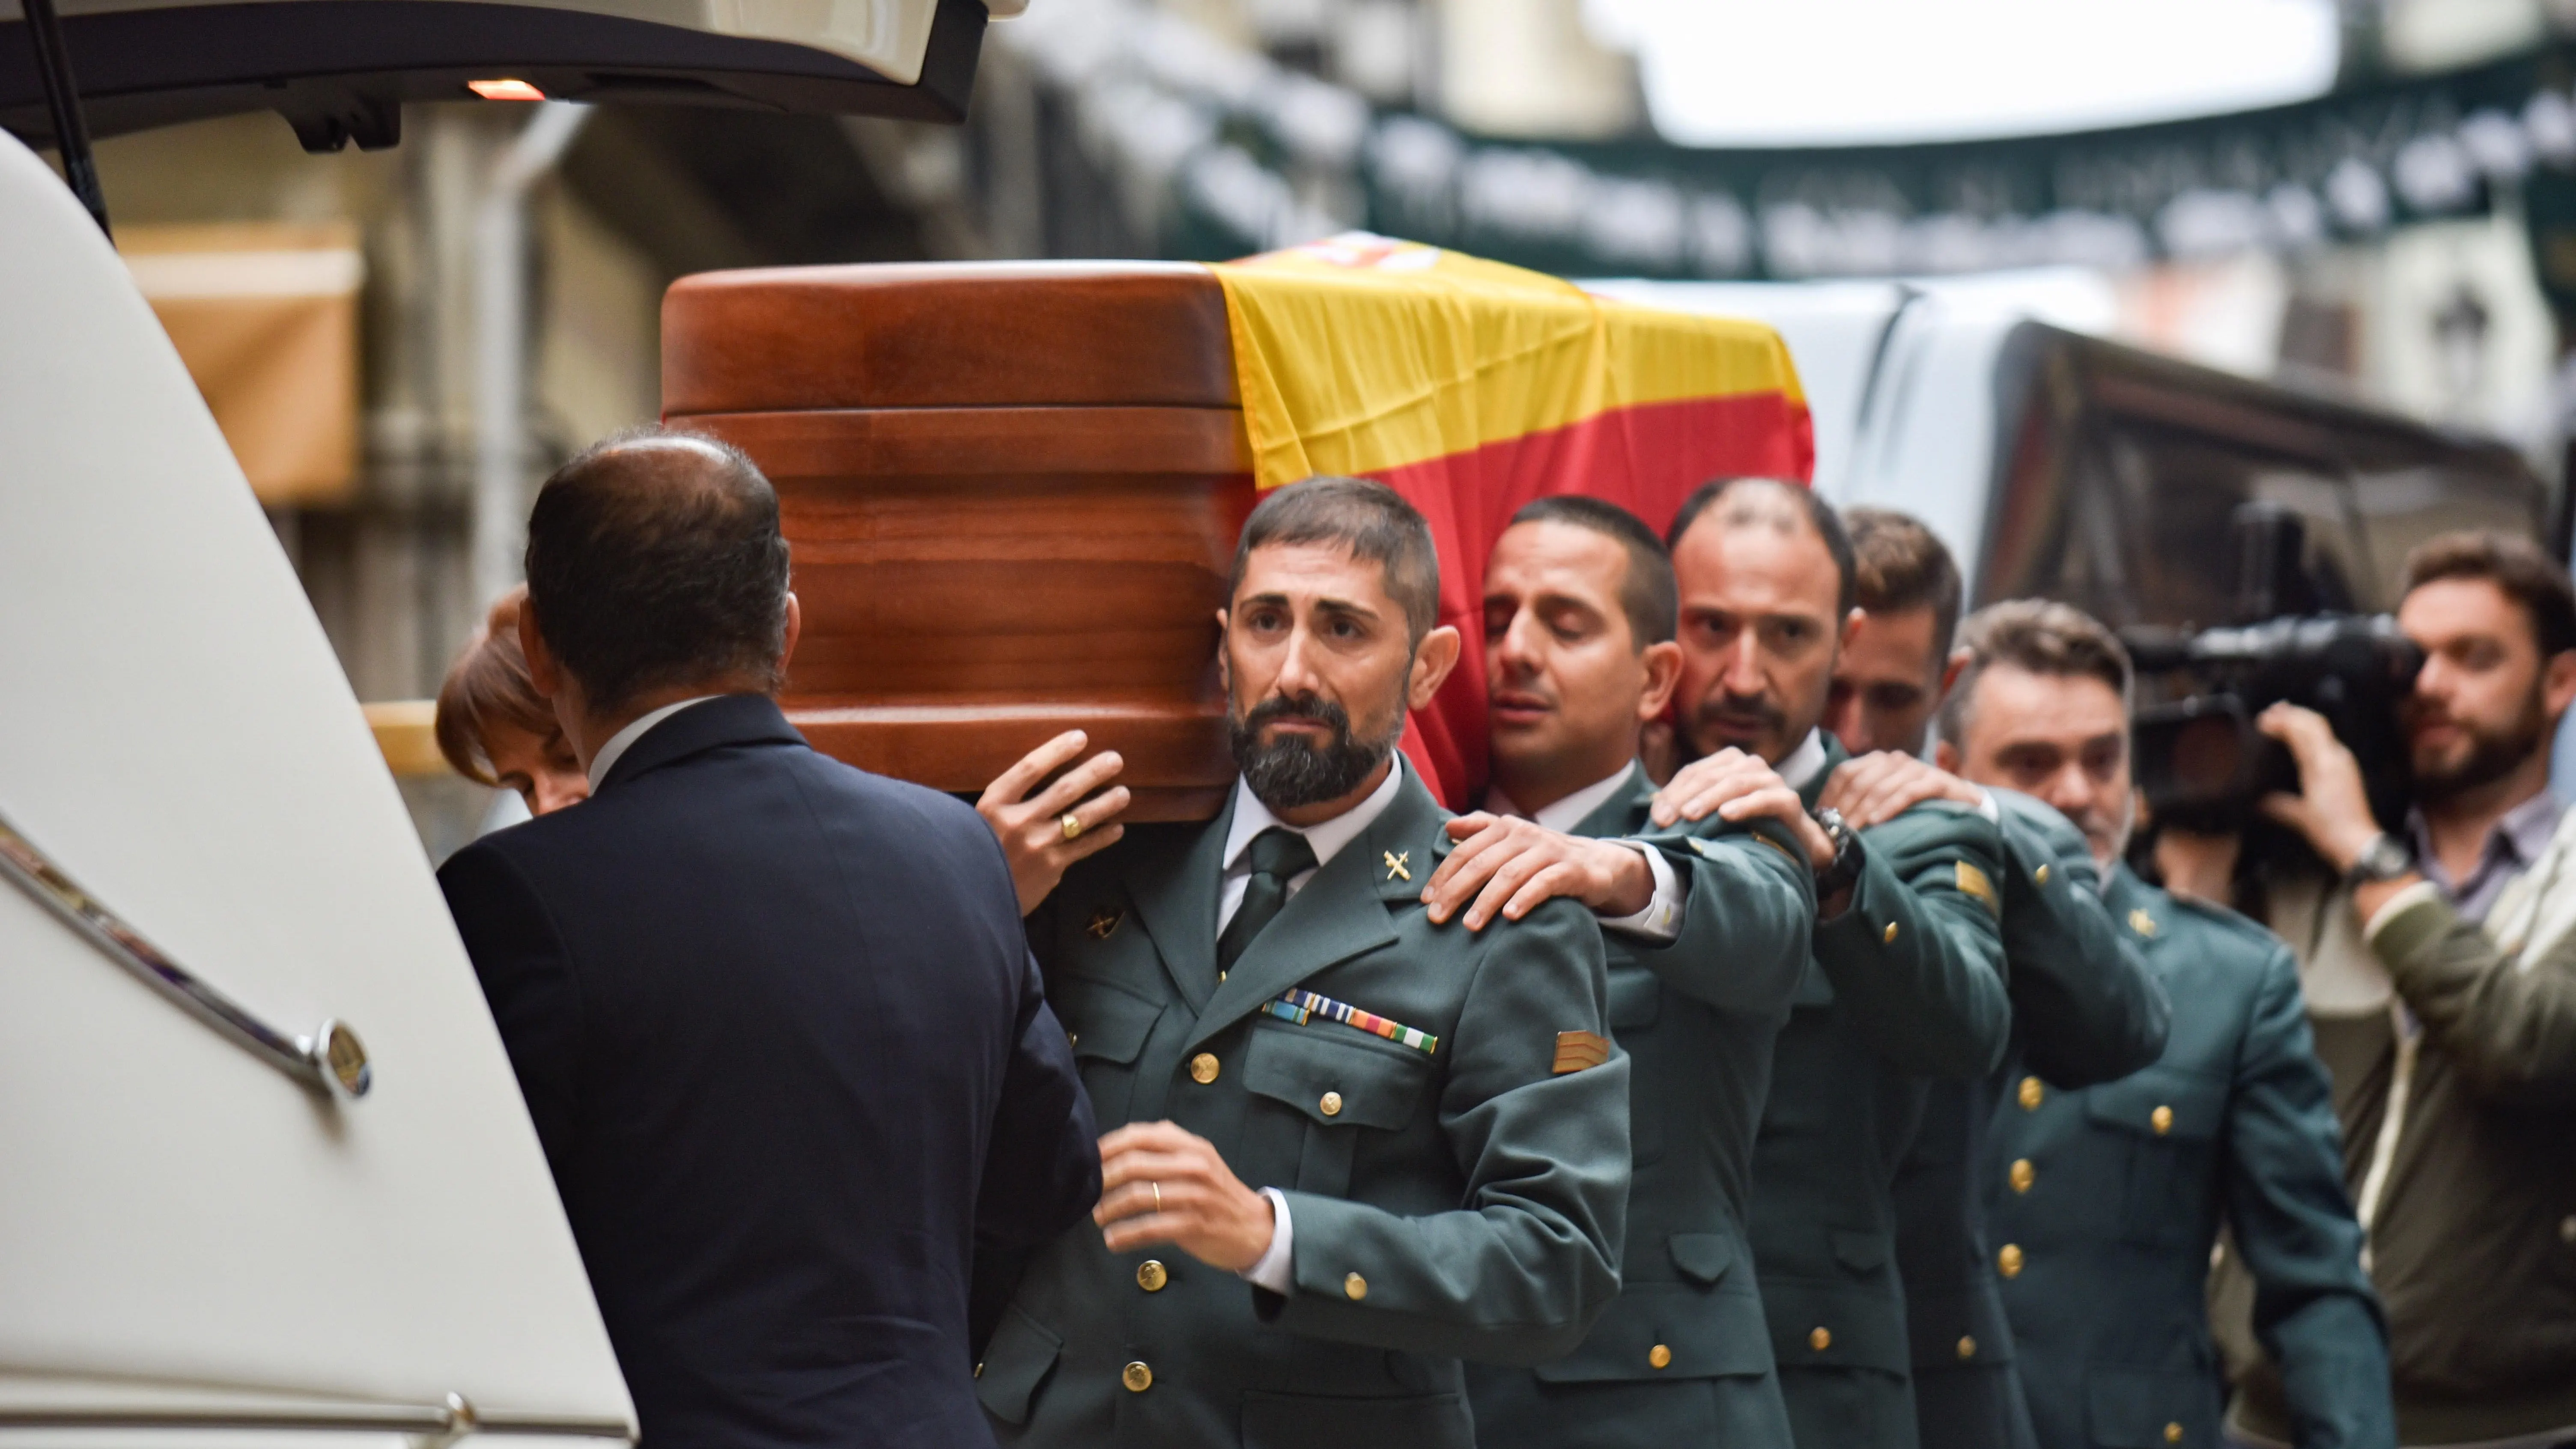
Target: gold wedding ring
x,y
1158,1195
1072,825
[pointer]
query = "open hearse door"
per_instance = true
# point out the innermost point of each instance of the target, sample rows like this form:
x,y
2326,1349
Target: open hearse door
x,y
268,1177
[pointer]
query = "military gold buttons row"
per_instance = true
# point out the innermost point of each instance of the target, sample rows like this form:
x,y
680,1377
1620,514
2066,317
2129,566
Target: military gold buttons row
x,y
1204,1068
2032,1092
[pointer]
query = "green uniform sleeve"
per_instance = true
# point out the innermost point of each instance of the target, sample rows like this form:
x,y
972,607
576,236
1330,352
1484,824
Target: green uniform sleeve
x,y
2085,1006
1517,1274
2509,1025
1747,917
2314,1309
1916,960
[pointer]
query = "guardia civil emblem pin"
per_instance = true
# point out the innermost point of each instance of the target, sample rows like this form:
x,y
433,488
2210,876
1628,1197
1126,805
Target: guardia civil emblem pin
x,y
1395,869
1104,921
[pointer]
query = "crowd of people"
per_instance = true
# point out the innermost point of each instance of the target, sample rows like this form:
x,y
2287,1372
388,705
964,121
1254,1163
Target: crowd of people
x,y
1736,1075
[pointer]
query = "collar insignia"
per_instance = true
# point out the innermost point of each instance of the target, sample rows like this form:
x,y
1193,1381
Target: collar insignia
x,y
2141,922
1105,921
1395,867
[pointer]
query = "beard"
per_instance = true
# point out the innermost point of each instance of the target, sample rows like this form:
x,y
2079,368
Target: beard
x,y
1289,773
2492,753
2107,829
1732,719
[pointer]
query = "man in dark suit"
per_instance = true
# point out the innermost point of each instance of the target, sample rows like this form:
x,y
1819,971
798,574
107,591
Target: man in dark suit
x,y
775,1019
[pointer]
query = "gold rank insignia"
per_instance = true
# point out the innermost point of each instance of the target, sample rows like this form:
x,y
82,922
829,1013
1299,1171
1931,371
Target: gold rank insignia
x,y
1105,921
1578,1050
2141,922
1973,881
1395,867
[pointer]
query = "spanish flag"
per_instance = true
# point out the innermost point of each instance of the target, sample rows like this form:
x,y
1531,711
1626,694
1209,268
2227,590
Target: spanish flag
x,y
1471,388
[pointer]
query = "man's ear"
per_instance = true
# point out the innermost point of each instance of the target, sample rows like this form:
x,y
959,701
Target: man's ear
x,y
1663,665
1945,757
1432,661
1850,630
787,637
2558,683
543,671
1950,672
1224,670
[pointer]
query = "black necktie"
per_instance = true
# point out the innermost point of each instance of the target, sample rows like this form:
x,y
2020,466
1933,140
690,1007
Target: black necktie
x,y
1276,854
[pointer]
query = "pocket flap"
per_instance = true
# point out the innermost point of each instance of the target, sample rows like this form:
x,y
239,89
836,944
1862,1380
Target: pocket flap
x,y
2160,1101
1015,1363
1103,1022
1636,998
1860,1252
2136,1408
1703,1335
1703,1258
1335,1075
1313,1421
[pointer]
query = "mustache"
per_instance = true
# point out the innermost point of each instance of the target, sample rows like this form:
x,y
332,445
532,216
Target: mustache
x,y
1303,708
1733,708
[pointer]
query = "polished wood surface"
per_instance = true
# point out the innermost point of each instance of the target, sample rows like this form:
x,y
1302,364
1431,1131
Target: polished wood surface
x,y
1012,492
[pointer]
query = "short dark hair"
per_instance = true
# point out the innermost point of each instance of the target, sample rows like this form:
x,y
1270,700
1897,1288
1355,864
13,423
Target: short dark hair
x,y
1902,566
1819,515
1371,520
1647,594
2516,566
654,559
2041,636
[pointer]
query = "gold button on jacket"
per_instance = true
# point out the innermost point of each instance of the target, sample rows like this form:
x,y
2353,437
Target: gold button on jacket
x,y
1203,1068
2008,1261
1151,1275
1660,1356
1137,1376
1820,1339
2173,1433
2032,1094
1331,1105
1354,1287
2162,1120
1967,1347
2023,1175
1889,935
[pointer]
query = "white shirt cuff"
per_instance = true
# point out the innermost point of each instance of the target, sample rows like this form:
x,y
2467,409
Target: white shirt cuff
x,y
2420,891
1990,807
1661,920
1270,1270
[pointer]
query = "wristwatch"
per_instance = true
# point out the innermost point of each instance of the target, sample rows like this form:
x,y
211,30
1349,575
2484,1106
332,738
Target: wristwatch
x,y
2384,859
1843,872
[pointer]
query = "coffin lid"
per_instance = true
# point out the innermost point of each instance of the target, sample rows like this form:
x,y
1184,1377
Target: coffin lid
x,y
340,70
190,1236
947,334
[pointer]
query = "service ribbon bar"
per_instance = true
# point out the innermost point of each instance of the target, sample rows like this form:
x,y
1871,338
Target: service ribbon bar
x,y
1299,1006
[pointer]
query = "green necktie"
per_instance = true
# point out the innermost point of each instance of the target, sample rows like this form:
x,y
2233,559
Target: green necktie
x,y
1276,854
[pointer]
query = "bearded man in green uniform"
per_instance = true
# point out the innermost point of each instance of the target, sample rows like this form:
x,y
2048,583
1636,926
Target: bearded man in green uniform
x,y
1707,933
1904,981
1350,1146
2106,1201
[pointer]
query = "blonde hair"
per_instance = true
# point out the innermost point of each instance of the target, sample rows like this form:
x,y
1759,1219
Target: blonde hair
x,y
488,685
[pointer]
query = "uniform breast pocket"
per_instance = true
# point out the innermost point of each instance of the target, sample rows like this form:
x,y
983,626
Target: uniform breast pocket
x,y
2169,1119
1108,1026
1317,1089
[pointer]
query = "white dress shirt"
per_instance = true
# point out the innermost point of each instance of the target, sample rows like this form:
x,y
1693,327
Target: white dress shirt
x,y
1661,920
620,742
1251,817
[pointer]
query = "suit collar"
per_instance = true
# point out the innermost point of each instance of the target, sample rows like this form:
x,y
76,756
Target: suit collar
x,y
2136,906
1342,912
730,719
1826,753
1620,811
1567,816
1175,893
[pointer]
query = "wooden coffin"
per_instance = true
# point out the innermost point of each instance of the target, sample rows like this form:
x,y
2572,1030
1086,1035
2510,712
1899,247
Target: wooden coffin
x,y
1012,491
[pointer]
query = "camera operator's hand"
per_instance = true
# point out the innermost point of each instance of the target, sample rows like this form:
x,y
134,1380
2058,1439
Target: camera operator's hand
x,y
1876,788
2331,809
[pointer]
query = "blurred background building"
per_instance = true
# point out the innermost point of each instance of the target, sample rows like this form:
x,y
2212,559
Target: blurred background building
x,y
2372,197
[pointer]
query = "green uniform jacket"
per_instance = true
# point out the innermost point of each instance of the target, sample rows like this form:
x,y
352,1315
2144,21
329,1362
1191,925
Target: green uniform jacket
x,y
1906,984
1683,1356
2086,1009
1460,1203
2129,1183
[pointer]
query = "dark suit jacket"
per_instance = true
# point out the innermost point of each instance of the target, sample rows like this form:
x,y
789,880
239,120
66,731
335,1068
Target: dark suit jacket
x,y
781,1036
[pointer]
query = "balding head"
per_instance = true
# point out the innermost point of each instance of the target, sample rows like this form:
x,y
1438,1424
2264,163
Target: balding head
x,y
1786,508
655,562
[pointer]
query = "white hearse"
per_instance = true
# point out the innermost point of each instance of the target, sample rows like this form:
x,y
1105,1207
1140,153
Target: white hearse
x,y
265,1176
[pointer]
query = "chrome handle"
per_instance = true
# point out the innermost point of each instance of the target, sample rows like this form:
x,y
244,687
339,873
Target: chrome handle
x,y
331,1060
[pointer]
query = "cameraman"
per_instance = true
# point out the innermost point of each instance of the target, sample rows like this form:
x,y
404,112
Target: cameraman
x,y
2440,973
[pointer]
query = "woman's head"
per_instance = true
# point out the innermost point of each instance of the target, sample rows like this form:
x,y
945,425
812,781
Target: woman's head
x,y
495,728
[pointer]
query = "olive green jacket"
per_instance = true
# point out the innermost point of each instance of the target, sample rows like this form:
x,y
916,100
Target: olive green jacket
x,y
2129,1182
1462,1202
1906,984
2086,1009
1683,1356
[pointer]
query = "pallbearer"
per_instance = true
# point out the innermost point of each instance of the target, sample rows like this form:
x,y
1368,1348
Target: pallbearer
x,y
1905,977
1349,1146
1707,932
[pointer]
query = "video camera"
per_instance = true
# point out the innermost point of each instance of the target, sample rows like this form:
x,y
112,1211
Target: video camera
x,y
2199,758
